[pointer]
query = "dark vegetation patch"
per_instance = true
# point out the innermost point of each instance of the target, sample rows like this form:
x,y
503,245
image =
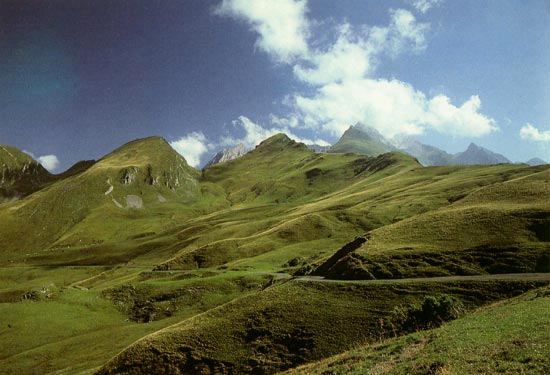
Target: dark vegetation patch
x,y
143,302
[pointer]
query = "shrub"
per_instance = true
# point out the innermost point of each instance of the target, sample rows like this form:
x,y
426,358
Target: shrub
x,y
434,311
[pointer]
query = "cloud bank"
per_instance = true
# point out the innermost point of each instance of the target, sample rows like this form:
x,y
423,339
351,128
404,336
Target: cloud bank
x,y
342,78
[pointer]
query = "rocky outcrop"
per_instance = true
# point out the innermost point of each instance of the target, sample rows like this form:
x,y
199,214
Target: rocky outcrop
x,y
228,154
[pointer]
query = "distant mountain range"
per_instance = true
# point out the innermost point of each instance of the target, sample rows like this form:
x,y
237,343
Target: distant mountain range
x,y
362,139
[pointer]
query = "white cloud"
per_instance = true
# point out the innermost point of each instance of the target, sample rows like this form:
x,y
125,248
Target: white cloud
x,y
424,5
282,25
405,33
255,133
463,121
355,53
392,107
529,132
50,162
192,147
348,58
341,73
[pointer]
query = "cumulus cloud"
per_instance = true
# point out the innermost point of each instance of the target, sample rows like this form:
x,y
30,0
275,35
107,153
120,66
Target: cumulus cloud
x,y
282,25
50,162
255,133
405,33
192,147
424,5
344,88
392,107
348,58
529,132
356,52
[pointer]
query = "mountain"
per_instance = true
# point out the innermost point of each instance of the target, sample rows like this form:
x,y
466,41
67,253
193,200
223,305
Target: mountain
x,y
362,140
210,260
427,155
365,140
228,154
476,155
21,175
144,180
535,161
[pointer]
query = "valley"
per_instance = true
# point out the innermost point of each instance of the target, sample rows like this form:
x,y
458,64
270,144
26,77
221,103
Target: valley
x,y
138,263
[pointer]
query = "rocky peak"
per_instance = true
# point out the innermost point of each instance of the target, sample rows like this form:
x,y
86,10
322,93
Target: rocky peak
x,y
228,154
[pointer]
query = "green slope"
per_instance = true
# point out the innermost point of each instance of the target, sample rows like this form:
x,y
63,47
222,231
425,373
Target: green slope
x,y
506,338
362,140
135,189
500,228
140,236
286,325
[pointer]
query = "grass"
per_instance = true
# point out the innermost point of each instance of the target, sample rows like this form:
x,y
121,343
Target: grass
x,y
69,323
87,265
511,337
288,324
500,228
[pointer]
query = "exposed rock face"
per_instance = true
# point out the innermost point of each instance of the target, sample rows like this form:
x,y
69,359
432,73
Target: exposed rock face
x,y
228,154
427,155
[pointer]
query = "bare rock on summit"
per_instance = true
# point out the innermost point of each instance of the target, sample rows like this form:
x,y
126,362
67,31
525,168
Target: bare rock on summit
x,y
228,154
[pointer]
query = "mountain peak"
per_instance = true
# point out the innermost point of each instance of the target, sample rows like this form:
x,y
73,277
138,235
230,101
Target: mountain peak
x,y
279,142
475,154
150,150
362,139
228,154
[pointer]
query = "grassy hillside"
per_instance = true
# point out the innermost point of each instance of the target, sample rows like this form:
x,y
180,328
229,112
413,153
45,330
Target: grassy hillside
x,y
500,228
362,140
510,337
140,251
134,190
285,325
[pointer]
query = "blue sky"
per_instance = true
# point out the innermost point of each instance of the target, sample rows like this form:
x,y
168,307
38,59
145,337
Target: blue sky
x,y
78,79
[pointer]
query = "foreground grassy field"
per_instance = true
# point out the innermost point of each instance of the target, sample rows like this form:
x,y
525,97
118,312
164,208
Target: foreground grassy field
x,y
511,337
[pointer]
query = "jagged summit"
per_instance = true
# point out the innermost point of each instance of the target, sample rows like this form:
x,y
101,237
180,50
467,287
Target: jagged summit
x,y
228,154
